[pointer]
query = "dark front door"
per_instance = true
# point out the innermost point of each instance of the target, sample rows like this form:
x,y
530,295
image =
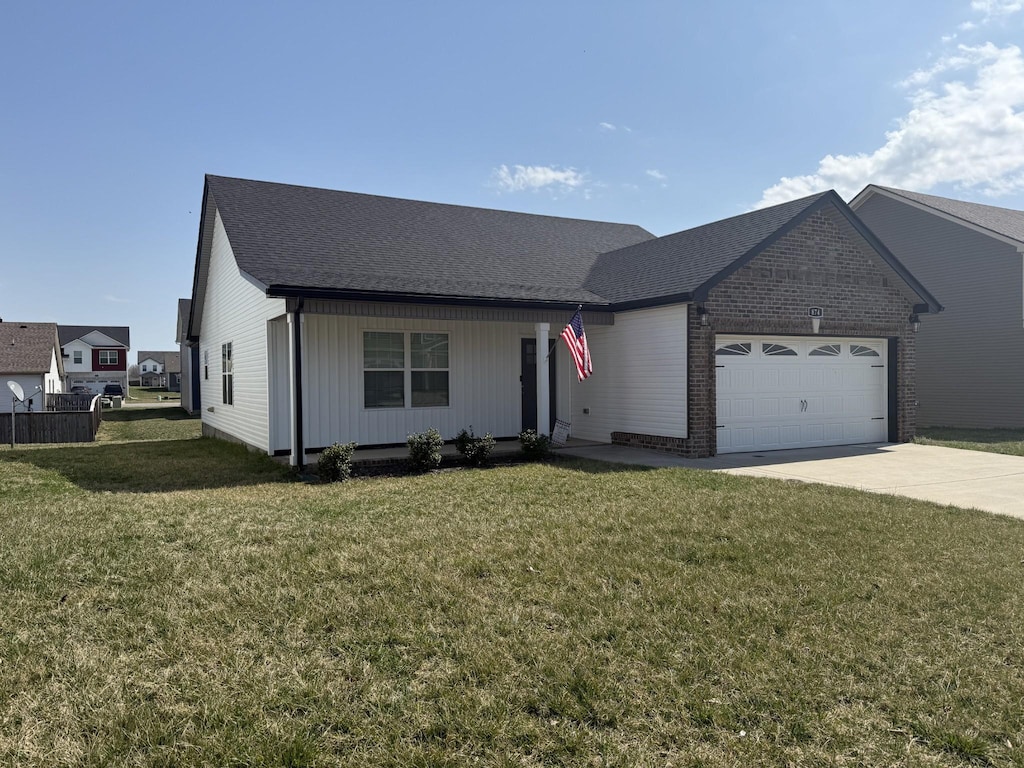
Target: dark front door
x,y
528,380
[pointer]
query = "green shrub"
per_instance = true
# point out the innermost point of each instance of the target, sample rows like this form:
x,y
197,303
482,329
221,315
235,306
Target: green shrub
x,y
476,450
535,446
335,463
425,450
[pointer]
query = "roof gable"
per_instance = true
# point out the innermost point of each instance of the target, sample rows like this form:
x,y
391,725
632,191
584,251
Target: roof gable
x,y
95,335
1005,224
28,348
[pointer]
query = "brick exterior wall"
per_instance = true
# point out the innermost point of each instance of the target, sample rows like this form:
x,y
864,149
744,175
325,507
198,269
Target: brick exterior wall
x,y
823,262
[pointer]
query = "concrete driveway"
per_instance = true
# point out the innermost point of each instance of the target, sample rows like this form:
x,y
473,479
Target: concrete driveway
x,y
990,482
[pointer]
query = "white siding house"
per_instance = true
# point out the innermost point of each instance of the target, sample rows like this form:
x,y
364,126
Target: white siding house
x,y
324,316
233,349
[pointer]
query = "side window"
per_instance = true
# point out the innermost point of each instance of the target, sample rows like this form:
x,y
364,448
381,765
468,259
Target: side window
x,y
227,374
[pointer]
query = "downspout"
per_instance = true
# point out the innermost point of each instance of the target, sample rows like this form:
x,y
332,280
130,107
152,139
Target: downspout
x,y
300,450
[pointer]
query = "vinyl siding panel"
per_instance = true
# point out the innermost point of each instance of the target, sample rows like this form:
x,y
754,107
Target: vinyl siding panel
x,y
970,357
639,379
236,311
484,387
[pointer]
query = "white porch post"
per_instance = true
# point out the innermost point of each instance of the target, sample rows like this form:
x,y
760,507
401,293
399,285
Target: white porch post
x,y
543,380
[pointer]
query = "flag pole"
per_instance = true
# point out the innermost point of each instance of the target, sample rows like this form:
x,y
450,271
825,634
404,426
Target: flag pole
x,y
579,308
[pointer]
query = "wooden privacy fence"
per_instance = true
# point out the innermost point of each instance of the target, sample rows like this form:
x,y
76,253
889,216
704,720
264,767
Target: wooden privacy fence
x,y
57,425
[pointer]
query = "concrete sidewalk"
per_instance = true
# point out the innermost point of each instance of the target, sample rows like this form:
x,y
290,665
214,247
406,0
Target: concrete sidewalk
x,y
990,482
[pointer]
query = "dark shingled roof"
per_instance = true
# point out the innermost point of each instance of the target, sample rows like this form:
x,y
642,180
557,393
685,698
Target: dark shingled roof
x,y
681,263
69,333
171,361
288,236
1002,221
27,347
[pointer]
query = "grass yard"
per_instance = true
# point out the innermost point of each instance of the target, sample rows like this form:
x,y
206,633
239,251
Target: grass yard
x,y
1009,441
151,394
123,424
181,602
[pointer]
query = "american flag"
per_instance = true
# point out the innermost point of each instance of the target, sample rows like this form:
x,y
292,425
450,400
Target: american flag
x,y
576,339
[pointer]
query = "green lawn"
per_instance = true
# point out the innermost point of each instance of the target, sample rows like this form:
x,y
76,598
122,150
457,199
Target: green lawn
x,y
123,424
181,602
1009,441
151,394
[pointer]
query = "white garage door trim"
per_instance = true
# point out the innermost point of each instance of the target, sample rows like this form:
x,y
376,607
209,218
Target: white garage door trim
x,y
780,392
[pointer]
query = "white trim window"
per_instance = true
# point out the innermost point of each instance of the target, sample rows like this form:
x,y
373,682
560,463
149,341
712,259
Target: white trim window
x,y
227,374
108,357
77,356
405,369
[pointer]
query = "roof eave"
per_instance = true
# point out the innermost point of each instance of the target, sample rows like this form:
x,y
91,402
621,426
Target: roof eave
x,y
277,291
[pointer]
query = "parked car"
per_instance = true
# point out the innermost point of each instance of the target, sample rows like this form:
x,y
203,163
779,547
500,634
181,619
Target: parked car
x,y
113,390
80,389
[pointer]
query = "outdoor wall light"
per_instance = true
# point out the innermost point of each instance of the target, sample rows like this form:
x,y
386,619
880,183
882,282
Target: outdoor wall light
x,y
702,316
915,323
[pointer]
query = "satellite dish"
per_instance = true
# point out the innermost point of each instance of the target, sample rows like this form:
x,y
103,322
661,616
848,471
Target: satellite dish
x,y
16,389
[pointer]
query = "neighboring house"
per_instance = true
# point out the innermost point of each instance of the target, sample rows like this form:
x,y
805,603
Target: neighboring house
x,y
970,359
30,356
160,370
95,356
189,356
326,316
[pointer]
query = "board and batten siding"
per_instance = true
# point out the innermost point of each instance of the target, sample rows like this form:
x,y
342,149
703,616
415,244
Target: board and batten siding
x,y
970,357
639,379
484,387
236,311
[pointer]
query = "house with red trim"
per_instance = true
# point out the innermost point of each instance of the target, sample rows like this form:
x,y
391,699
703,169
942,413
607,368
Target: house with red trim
x,y
95,356
325,316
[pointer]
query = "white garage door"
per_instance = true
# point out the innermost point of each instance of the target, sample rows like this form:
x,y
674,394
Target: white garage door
x,y
792,392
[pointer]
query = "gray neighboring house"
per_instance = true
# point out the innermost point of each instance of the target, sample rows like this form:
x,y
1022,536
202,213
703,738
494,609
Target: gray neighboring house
x,y
189,356
160,369
324,316
970,359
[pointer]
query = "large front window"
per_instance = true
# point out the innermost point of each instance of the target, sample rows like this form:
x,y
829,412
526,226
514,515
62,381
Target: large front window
x,y
404,368
108,357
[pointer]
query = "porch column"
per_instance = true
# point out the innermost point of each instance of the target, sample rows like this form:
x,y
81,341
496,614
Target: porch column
x,y
543,380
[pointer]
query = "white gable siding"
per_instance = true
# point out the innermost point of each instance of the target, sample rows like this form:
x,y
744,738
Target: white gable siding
x,y
639,379
70,366
52,382
236,311
484,387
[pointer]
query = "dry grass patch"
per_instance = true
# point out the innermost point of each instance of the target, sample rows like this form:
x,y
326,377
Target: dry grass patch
x,y
567,614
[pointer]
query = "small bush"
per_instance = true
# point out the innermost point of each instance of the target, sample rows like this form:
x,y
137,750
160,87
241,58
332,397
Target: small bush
x,y
535,446
335,463
476,450
425,450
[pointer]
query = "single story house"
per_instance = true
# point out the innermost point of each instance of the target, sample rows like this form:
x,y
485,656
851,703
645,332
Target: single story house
x,y
970,359
30,357
325,316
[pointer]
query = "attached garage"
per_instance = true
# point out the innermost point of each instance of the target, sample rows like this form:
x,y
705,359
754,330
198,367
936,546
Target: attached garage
x,y
784,392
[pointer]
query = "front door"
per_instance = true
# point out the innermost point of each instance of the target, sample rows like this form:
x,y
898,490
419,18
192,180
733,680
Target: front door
x,y
528,380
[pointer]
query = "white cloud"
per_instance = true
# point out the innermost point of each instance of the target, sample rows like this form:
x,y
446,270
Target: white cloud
x,y
965,127
657,175
606,126
116,300
520,178
997,8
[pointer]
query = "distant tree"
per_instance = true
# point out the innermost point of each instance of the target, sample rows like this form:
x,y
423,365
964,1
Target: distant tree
x,y
133,374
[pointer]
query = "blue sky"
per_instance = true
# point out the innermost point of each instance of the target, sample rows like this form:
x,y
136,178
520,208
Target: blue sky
x,y
664,114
